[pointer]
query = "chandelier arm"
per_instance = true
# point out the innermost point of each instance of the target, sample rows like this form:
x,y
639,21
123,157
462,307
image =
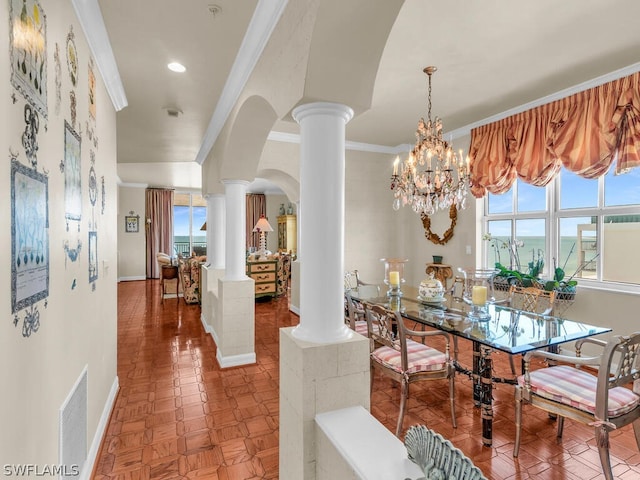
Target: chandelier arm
x,y
448,234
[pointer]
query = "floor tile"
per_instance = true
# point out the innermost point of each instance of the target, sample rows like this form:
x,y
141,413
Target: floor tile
x,y
179,416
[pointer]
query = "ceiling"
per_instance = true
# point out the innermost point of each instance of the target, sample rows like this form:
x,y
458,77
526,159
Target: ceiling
x,y
492,56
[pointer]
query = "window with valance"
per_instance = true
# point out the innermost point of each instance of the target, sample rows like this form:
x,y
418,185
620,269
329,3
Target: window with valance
x,y
587,133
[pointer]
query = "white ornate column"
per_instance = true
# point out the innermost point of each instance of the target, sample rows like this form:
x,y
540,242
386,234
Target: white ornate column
x,y
216,231
235,311
294,291
322,167
324,365
213,270
236,234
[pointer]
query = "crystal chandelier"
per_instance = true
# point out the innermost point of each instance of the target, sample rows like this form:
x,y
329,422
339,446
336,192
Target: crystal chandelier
x,y
433,177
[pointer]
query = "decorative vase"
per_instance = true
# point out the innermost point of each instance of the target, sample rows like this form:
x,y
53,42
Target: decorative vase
x,y
290,209
437,259
281,211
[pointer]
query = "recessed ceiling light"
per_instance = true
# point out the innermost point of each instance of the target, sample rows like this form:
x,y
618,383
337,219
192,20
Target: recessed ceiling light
x,y
176,67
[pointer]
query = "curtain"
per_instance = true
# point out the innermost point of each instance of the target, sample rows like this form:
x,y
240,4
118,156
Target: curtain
x,y
586,133
159,224
256,205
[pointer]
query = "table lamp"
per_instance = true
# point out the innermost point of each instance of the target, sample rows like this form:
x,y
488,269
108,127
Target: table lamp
x,y
261,227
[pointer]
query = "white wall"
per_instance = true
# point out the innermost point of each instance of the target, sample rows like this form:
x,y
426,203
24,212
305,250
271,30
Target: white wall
x,y
131,246
78,320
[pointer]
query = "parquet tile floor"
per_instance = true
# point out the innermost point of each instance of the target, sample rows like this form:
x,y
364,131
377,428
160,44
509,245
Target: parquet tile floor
x,y
179,416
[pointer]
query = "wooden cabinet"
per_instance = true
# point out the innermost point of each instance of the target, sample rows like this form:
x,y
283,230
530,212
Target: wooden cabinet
x,y
287,233
264,273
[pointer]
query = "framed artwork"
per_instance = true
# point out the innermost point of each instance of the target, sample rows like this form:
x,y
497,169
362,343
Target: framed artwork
x,y
131,223
28,52
29,236
72,181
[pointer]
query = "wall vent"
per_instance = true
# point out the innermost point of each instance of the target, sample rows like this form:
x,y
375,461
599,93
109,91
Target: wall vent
x,y
73,429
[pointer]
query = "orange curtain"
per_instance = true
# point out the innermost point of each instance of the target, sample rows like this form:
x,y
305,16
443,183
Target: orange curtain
x,y
159,224
256,204
586,132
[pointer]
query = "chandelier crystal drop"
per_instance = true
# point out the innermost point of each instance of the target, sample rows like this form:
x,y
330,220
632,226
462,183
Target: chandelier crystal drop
x,y
433,177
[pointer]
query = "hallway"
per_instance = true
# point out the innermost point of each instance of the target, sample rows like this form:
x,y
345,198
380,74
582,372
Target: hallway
x,y
178,416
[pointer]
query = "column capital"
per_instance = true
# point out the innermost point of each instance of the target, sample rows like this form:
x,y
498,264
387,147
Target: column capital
x,y
235,182
322,108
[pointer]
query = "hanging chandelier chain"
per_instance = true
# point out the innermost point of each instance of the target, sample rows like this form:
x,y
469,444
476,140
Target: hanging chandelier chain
x,y
429,75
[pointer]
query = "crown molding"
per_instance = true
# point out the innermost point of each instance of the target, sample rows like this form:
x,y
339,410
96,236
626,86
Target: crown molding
x,y
357,146
264,20
90,18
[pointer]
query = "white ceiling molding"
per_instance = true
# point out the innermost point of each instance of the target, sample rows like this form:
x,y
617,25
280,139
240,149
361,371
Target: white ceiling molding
x,y
609,77
90,18
358,146
133,185
262,24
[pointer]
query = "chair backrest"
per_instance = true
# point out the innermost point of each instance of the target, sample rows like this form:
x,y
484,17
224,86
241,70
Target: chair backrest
x,y
624,353
351,280
437,457
386,328
351,310
532,299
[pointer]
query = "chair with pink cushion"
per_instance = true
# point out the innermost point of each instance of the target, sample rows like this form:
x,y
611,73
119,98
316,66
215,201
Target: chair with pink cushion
x,y
598,395
399,357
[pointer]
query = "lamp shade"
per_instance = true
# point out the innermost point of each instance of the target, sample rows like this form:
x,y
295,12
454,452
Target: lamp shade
x,y
262,225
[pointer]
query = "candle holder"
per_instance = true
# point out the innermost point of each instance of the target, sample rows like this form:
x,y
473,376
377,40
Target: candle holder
x,y
394,275
479,306
480,313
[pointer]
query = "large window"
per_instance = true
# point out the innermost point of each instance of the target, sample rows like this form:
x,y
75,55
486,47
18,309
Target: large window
x,y
189,216
589,228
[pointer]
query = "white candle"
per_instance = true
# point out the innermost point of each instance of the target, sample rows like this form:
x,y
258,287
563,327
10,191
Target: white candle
x,y
395,166
394,278
479,295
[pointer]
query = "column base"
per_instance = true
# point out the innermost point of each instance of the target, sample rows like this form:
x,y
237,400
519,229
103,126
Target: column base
x,y
235,337
316,378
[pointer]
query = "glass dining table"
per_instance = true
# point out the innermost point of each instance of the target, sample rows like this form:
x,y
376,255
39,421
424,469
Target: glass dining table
x,y
506,329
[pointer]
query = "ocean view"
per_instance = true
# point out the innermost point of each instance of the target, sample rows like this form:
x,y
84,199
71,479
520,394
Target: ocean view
x,y
569,254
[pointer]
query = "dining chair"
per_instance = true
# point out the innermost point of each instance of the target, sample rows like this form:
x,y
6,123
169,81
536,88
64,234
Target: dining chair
x,y
354,315
530,299
601,399
405,360
437,457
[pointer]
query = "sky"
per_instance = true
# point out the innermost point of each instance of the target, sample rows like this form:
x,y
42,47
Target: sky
x,y
577,192
181,221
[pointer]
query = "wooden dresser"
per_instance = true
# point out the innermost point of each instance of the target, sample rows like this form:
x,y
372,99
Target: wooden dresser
x,y
265,274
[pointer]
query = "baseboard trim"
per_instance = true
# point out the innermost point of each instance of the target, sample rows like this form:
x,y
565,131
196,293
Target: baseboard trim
x,y
131,279
294,309
235,360
205,325
100,431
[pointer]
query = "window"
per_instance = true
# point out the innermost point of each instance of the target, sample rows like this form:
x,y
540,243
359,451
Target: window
x,y
589,228
189,215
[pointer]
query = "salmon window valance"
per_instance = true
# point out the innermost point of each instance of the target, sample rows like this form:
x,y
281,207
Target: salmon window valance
x,y
586,132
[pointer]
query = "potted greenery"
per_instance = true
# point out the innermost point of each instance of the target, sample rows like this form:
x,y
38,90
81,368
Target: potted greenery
x,y
564,286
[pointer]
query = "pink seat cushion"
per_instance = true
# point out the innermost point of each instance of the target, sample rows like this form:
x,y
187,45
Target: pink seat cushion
x,y
421,358
577,388
361,327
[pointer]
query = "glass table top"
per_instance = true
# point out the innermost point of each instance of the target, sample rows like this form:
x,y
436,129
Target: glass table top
x,y
510,330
